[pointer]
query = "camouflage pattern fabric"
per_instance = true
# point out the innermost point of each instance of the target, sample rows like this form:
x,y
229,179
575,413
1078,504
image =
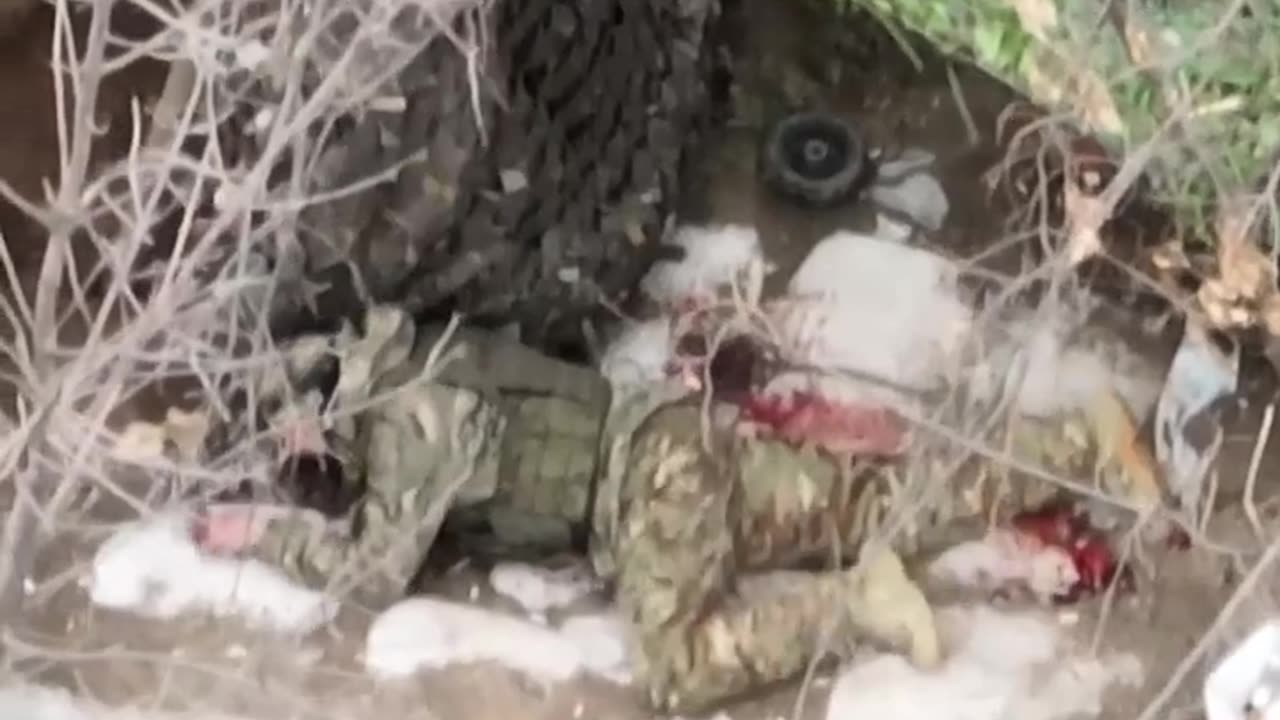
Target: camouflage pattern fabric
x,y
493,424
685,516
1126,70
672,525
689,522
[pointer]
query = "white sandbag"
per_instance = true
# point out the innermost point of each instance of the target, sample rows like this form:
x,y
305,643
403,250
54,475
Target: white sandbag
x,y
874,306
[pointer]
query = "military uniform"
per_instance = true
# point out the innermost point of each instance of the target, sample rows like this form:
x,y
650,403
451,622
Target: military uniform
x,y
680,510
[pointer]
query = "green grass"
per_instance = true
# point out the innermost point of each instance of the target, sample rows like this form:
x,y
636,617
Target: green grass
x,y
1200,79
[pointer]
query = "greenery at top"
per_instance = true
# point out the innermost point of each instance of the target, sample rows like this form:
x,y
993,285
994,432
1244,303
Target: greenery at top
x,y
1202,76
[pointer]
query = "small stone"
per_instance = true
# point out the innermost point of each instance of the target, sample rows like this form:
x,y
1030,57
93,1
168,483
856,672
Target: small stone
x,y
513,181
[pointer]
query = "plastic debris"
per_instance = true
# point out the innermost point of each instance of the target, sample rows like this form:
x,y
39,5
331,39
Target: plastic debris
x,y
905,185
1245,685
715,257
1187,427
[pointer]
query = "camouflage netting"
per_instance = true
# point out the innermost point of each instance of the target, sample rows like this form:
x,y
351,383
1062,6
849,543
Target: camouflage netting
x,y
554,200
1201,77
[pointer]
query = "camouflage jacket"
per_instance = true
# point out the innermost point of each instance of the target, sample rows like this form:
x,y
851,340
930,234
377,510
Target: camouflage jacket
x,y
537,446
481,423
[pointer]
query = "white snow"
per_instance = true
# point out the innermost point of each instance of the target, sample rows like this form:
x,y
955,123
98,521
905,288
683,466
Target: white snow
x,y
715,257
1000,666
1001,559
24,701
639,354
1200,375
1248,675
424,633
537,589
1058,373
154,569
36,702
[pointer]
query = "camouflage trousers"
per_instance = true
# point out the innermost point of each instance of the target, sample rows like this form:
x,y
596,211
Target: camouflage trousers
x,y
699,531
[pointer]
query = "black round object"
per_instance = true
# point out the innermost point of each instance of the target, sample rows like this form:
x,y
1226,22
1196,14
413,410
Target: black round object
x,y
816,159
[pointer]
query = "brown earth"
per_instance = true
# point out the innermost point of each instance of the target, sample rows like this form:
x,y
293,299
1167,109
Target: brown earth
x,y
121,659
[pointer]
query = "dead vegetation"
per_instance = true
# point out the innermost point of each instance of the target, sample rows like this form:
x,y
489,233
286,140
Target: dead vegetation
x,y
192,234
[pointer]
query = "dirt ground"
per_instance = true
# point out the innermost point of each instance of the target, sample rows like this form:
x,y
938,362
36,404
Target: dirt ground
x,y
29,159
198,664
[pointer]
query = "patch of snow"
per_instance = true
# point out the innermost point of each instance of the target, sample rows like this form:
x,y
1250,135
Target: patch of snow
x,y
154,569
639,355
424,633
602,640
537,589
25,701
1057,375
1003,558
715,256
1000,666
36,702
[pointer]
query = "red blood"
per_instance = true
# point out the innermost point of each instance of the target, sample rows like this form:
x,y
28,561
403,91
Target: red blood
x,y
1060,525
838,428
1094,561
735,368
1055,524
